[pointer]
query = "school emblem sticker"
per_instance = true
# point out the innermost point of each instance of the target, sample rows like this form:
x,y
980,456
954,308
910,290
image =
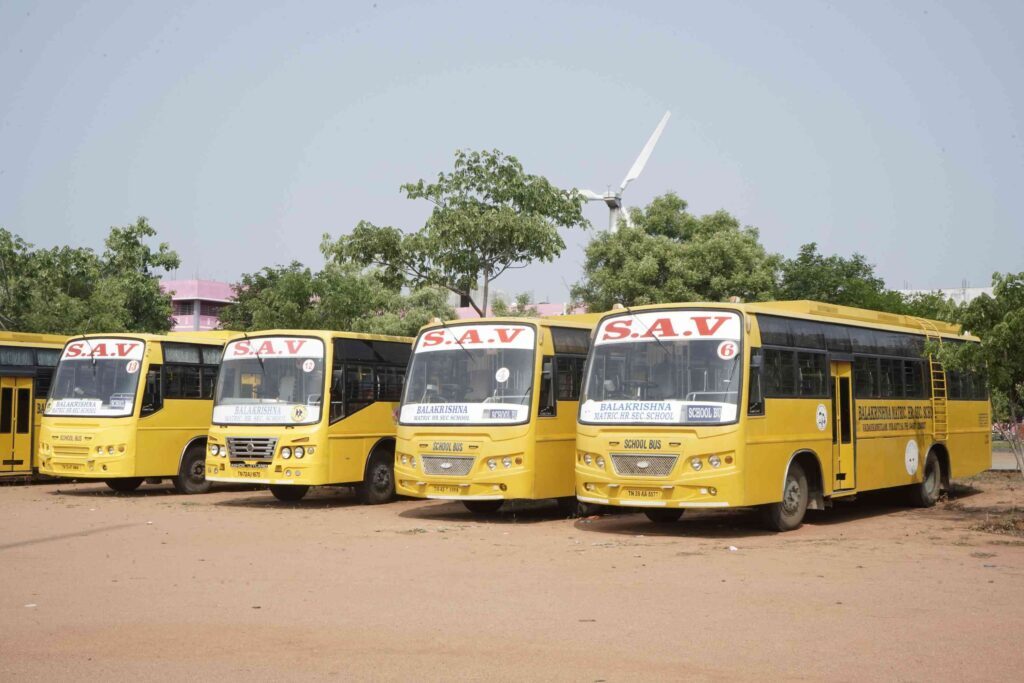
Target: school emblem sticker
x,y
298,413
821,417
911,457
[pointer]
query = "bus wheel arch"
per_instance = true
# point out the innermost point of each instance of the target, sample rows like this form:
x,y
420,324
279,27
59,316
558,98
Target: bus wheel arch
x,y
378,485
796,493
942,454
811,465
191,476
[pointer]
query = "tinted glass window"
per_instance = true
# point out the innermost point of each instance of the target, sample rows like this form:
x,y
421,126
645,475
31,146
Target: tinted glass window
x,y
812,374
47,357
211,355
182,381
837,339
395,353
14,355
780,372
389,382
865,377
570,376
181,353
570,340
353,349
807,334
890,377
774,331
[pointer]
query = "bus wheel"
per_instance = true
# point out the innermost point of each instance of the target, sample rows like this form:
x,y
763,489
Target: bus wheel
x,y
125,485
926,493
663,515
379,485
483,507
570,506
288,493
192,476
788,514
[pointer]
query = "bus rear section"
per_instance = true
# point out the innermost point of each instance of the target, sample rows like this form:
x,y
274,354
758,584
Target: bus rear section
x,y
27,362
299,408
488,411
124,409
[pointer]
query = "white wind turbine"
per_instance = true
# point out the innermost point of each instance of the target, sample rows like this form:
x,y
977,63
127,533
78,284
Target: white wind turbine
x,y
614,199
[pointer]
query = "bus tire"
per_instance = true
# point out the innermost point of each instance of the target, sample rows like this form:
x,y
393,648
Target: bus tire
x,y
788,514
664,515
287,493
483,507
379,485
570,507
926,493
191,477
125,484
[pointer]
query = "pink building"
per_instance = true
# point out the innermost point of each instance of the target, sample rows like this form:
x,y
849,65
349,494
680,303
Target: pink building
x,y
197,303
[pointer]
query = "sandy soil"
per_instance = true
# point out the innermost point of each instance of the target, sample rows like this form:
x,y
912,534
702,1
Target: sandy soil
x,y
233,584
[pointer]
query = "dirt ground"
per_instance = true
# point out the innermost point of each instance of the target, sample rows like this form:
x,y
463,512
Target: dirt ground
x,y
233,584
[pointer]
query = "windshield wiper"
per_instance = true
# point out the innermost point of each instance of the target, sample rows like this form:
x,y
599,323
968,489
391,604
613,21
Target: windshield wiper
x,y
654,337
471,359
263,369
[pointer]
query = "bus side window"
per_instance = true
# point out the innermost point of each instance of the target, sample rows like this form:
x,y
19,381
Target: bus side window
x,y
337,393
755,402
546,407
152,395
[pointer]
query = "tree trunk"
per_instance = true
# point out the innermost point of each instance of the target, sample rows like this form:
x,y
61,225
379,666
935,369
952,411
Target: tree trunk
x,y
487,282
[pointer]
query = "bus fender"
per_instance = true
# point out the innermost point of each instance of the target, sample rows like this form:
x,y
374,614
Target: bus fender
x,y
384,443
809,460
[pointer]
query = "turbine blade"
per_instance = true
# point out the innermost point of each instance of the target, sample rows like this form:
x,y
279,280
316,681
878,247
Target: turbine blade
x,y
591,195
645,153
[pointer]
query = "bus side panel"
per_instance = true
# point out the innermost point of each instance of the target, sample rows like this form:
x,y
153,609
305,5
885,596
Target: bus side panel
x,y
352,439
970,437
554,453
162,436
885,429
789,425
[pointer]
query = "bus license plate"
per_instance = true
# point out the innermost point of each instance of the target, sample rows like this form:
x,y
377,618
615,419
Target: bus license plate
x,y
71,466
250,474
441,488
646,494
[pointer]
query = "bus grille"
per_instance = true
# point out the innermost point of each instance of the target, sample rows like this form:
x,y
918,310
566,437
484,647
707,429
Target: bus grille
x,y
644,465
447,464
252,448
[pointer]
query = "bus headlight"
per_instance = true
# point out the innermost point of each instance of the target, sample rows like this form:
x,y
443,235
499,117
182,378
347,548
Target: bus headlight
x,y
587,459
600,462
286,452
492,464
300,452
696,464
412,461
404,459
714,461
507,462
214,450
110,450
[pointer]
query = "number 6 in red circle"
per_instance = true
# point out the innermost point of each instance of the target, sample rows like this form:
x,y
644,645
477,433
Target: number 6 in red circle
x,y
727,350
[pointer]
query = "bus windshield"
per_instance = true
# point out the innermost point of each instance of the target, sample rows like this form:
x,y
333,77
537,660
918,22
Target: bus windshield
x,y
270,380
96,377
471,374
665,367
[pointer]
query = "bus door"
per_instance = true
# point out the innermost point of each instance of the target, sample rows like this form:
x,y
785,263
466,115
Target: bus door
x,y
16,417
843,444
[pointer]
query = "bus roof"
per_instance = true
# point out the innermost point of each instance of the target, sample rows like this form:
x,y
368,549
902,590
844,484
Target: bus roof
x,y
822,312
320,334
580,320
32,339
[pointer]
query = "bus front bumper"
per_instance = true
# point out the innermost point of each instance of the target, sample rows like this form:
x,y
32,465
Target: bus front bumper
x,y
481,486
298,473
719,490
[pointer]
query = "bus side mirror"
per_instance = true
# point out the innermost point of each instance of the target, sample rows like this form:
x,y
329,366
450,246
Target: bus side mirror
x,y
756,359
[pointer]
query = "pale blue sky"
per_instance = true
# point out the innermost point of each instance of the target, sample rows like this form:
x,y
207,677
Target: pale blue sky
x,y
245,130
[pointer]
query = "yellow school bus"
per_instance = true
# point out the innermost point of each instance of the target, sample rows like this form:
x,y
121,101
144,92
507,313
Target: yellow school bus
x,y
783,405
26,368
127,408
279,418
488,413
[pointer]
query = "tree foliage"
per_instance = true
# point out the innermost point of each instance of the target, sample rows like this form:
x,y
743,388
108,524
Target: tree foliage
x,y
672,255
836,280
489,216
999,321
71,290
522,306
341,296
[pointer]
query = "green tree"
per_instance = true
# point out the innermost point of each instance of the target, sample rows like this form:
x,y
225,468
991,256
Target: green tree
x,y
341,296
999,321
836,280
672,255
71,290
521,307
489,216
